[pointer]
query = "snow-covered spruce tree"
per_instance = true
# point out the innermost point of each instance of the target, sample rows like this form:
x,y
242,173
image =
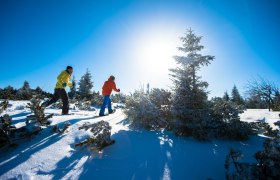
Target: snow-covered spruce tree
x,y
226,122
236,97
73,89
85,85
25,92
143,113
189,102
226,96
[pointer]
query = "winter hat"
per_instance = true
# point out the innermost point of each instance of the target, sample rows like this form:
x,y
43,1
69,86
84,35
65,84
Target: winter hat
x,y
69,67
112,77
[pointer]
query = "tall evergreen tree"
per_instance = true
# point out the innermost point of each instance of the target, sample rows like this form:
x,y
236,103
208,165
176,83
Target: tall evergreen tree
x,y
39,90
26,86
236,97
25,91
226,96
190,95
85,84
73,89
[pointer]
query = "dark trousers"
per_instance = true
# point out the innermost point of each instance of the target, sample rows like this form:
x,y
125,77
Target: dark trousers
x,y
60,93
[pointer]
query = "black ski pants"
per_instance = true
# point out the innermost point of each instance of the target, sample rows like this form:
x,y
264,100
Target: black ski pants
x,y
60,93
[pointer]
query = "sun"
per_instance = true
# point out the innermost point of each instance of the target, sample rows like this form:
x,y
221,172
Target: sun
x,y
155,51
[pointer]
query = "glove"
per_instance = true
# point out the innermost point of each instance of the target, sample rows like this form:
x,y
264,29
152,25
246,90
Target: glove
x,y
64,84
119,90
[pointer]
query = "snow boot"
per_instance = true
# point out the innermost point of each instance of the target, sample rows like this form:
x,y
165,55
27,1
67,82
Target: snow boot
x,y
111,112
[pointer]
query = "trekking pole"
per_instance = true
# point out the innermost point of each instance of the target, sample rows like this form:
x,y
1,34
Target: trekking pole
x,y
120,97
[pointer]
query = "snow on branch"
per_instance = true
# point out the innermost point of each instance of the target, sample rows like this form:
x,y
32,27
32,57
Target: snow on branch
x,y
39,115
101,135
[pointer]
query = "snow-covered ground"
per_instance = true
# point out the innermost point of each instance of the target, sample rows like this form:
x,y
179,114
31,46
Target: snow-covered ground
x,y
261,115
135,155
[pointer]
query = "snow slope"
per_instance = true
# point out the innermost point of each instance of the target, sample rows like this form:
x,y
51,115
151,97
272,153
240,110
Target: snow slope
x,y
135,155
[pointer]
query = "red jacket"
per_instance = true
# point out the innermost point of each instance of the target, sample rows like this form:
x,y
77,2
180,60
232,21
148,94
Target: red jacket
x,y
108,87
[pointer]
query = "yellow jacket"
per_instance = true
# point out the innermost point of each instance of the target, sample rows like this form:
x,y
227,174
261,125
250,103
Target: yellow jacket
x,y
63,77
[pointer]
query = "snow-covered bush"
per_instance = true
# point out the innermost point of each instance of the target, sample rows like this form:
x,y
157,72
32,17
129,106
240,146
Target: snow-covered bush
x,y
118,98
161,98
269,159
39,115
218,119
88,102
267,166
264,128
143,113
101,135
225,121
83,105
96,99
6,130
3,106
9,134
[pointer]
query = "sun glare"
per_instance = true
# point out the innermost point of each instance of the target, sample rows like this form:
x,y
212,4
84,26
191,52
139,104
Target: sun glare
x,y
155,51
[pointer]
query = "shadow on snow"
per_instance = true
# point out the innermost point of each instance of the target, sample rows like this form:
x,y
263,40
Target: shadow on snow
x,y
136,155
25,150
153,155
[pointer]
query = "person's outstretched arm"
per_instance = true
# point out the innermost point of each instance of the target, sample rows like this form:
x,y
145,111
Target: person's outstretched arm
x,y
115,88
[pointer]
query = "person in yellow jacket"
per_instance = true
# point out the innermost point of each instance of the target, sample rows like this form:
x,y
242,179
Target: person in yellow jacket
x,y
59,92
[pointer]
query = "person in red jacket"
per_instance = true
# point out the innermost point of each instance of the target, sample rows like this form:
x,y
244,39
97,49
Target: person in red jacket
x,y
107,88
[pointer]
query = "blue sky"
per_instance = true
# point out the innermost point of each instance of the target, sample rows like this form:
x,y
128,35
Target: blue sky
x,y
135,40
